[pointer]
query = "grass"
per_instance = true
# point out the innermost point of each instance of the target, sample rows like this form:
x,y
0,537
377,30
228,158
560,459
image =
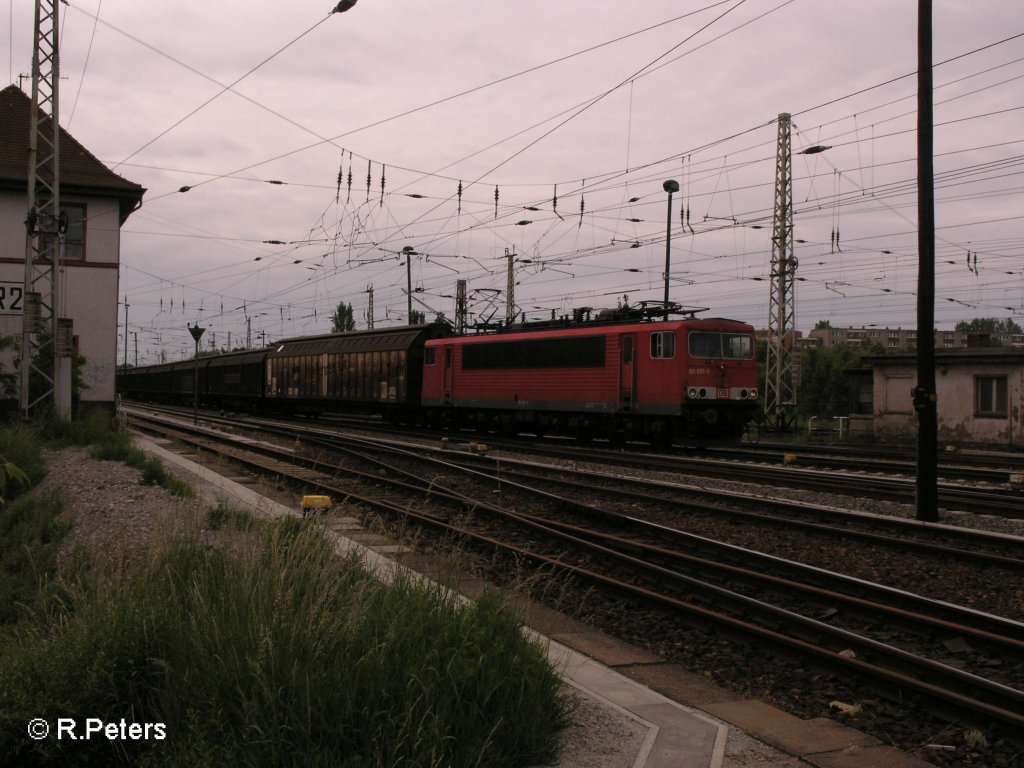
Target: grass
x,y
30,538
271,650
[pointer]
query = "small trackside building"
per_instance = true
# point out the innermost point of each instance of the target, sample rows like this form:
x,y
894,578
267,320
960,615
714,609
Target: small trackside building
x,y
97,202
980,394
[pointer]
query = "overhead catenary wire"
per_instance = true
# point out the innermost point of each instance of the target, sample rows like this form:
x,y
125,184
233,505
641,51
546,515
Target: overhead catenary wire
x,y
628,177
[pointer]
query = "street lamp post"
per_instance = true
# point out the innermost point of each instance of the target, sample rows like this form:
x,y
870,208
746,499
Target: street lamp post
x,y
197,334
669,186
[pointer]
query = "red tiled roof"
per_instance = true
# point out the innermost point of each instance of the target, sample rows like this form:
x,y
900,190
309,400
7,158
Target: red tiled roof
x,y
80,171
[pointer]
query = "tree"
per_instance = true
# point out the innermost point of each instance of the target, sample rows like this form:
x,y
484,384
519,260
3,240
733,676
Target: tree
x,y
821,324
825,388
342,319
417,318
988,325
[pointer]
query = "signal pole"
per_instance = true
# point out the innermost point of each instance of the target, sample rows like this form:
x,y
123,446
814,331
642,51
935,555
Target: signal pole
x,y
197,334
369,307
126,305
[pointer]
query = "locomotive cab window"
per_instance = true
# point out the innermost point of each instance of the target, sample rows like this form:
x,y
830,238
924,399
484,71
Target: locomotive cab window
x,y
663,345
725,346
990,397
430,356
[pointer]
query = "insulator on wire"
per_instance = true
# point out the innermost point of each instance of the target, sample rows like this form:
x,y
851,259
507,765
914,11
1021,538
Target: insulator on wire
x,y
341,177
383,168
369,178
348,194
581,205
495,201
460,197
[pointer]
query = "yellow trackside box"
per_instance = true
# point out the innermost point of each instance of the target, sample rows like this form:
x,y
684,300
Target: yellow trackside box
x,y
319,505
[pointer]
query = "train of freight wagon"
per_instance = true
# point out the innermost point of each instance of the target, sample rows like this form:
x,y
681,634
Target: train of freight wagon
x,y
631,376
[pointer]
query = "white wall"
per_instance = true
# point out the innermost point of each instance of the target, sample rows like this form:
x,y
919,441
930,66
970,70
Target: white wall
x,y
90,288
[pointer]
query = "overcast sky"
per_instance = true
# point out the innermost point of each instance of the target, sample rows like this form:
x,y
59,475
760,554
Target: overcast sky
x,y
570,108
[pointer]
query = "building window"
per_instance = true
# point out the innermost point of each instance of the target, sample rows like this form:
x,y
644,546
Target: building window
x,y
74,237
990,396
896,393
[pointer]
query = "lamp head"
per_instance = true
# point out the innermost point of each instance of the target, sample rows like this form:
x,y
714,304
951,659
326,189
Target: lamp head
x,y
671,186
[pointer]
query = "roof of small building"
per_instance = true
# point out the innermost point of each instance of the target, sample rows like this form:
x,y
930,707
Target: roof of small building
x,y
969,356
80,172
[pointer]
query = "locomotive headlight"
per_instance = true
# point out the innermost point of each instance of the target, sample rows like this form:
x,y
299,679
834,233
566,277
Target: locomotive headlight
x,y
703,392
743,394
753,394
692,392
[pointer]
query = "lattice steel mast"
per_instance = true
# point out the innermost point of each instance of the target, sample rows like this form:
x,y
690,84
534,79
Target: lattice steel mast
x,y
42,326
780,387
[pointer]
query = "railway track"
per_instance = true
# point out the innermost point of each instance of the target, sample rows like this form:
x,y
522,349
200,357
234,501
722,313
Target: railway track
x,y
810,613
729,464
963,463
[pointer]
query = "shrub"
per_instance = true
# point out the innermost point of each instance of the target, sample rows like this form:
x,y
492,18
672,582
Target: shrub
x,y
22,448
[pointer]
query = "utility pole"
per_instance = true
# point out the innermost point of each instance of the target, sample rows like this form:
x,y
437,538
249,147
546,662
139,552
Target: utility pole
x,y
461,310
510,287
669,186
409,252
780,390
45,226
925,401
369,307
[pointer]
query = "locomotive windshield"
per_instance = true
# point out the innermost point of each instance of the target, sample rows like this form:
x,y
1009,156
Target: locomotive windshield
x,y
727,346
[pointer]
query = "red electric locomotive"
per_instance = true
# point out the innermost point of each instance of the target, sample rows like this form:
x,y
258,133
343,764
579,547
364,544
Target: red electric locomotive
x,y
630,380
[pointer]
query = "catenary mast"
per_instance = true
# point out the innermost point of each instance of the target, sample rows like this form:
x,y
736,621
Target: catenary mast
x,y
42,325
780,388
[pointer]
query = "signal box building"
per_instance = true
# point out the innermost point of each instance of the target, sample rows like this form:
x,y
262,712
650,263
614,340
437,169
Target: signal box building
x,y
980,396
97,202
